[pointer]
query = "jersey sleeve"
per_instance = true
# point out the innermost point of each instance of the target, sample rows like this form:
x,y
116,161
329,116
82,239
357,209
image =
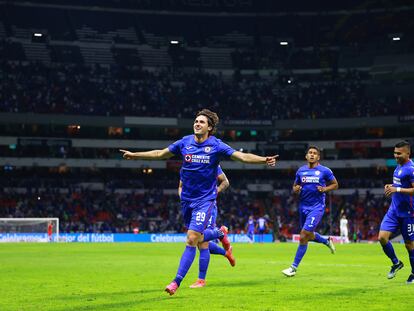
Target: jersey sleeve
x,y
219,171
225,150
297,178
175,147
411,174
329,176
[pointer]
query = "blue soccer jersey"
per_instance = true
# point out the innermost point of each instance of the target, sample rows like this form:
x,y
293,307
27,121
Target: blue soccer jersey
x,y
310,179
200,166
402,204
250,225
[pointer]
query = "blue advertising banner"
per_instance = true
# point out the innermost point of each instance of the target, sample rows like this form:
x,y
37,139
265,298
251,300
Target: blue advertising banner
x,y
116,237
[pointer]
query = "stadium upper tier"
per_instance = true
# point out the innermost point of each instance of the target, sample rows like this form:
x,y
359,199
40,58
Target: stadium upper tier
x,y
222,41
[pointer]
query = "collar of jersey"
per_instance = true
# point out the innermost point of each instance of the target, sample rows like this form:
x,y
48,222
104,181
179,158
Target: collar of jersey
x,y
203,143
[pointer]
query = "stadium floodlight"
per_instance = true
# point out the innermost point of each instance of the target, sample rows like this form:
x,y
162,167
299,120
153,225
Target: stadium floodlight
x,y
284,43
37,34
29,229
174,42
396,38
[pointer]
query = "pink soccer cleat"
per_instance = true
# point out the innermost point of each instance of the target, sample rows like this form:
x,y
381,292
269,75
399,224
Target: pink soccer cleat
x,y
199,283
230,257
171,288
225,240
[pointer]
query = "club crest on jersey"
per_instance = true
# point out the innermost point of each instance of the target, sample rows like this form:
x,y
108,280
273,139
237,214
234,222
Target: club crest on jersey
x,y
187,158
317,173
207,149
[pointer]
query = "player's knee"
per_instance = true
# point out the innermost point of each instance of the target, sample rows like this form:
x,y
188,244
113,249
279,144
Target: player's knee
x,y
383,240
192,239
409,246
304,238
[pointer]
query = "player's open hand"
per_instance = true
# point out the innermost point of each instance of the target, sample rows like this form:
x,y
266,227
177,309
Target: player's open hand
x,y
127,154
388,191
271,161
297,189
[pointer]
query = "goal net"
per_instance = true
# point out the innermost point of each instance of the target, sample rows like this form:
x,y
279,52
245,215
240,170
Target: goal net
x,y
29,229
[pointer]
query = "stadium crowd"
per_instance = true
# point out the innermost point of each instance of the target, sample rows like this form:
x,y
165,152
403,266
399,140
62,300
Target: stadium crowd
x,y
121,90
85,210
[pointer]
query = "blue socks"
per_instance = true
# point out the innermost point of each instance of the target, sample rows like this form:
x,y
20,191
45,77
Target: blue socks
x,y
299,254
212,234
320,239
203,263
215,249
389,251
185,263
411,256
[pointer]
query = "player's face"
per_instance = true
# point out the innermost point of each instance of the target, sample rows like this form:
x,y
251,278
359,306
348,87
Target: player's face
x,y
201,126
402,154
312,156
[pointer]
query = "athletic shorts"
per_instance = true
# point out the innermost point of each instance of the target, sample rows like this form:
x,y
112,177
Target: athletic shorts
x,y
392,223
309,219
199,215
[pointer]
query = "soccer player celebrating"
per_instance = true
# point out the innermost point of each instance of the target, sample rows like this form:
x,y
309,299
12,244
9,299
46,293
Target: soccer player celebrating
x,y
207,248
201,155
312,182
400,215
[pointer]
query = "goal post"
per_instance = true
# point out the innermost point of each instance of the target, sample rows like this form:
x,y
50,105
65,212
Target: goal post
x,y
29,229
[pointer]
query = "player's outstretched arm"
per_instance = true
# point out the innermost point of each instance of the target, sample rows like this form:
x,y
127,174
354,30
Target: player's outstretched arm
x,y
147,155
254,159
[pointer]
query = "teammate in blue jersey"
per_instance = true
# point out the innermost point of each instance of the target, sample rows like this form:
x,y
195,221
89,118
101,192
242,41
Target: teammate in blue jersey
x,y
201,153
213,248
250,228
312,182
261,226
400,215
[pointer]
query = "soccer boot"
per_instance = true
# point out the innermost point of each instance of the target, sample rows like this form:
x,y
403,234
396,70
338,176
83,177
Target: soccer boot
x,y
291,271
171,288
331,245
394,269
199,283
410,279
225,239
230,257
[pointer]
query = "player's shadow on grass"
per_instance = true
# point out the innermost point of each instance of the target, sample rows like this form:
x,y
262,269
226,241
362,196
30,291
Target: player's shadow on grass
x,y
94,296
134,303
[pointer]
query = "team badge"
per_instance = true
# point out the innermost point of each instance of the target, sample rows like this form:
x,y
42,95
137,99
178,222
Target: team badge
x,y
207,149
317,173
187,158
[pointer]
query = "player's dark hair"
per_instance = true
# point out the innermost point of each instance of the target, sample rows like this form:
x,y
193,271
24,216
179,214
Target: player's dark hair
x,y
314,147
402,144
212,118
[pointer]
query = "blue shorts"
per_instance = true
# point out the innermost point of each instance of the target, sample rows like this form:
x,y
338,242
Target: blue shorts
x,y
392,223
199,215
309,219
261,230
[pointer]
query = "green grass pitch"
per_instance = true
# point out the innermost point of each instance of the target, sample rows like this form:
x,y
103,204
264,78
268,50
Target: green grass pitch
x,y
128,276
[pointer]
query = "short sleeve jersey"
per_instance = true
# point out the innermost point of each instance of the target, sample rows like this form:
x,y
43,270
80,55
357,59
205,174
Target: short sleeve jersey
x,y
403,177
200,166
310,179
